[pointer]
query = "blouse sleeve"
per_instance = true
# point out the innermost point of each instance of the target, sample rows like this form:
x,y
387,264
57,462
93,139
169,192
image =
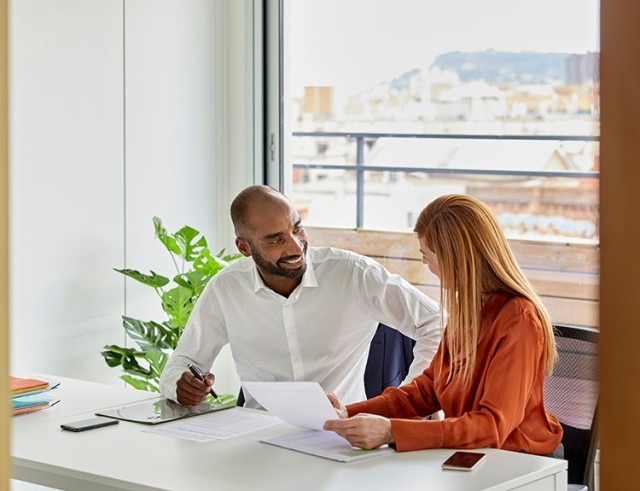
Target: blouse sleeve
x,y
414,400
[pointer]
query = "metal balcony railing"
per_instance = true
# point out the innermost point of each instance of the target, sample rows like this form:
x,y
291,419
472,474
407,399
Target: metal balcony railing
x,y
360,167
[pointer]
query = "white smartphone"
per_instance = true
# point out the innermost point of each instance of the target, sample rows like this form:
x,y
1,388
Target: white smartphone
x,y
463,461
89,424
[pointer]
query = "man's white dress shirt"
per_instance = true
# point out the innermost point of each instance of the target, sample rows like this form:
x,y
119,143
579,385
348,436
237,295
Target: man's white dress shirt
x,y
320,333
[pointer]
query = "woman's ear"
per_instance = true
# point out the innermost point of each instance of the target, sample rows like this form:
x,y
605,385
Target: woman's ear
x,y
243,247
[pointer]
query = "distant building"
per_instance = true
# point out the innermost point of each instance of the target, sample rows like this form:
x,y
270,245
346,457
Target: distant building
x,y
475,100
318,101
583,69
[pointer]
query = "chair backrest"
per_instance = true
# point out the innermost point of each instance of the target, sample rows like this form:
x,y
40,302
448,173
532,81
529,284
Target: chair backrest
x,y
390,356
571,395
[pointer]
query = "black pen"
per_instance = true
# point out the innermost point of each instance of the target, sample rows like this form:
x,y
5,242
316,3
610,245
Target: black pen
x,y
198,374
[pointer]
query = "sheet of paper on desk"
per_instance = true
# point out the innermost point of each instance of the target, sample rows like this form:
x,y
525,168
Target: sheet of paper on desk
x,y
217,426
324,444
300,403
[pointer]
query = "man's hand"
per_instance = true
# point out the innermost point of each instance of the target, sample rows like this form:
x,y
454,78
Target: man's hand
x,y
190,391
365,431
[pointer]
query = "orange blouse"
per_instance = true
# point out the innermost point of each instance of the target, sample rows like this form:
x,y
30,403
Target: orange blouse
x,y
502,408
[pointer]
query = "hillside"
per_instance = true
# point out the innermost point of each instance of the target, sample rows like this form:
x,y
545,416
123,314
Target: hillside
x,y
502,66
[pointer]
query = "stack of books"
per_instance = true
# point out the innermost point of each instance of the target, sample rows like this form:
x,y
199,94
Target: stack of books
x,y
26,394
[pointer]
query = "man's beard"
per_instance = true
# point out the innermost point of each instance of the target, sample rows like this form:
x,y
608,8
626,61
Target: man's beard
x,y
275,269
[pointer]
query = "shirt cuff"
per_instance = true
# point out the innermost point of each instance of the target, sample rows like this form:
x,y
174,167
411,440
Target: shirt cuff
x,y
417,434
377,405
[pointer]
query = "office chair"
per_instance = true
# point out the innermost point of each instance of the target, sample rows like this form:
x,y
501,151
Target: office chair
x,y
390,356
571,395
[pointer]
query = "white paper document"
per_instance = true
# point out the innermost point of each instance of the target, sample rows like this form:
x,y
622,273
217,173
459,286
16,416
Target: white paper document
x,y
306,404
325,444
300,403
217,426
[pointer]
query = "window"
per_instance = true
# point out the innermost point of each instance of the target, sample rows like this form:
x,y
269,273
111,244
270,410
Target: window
x,y
383,106
390,104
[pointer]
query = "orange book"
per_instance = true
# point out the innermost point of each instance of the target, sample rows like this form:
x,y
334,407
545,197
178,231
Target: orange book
x,y
26,385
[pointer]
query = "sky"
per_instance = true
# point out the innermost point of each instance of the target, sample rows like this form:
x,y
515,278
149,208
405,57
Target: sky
x,y
355,44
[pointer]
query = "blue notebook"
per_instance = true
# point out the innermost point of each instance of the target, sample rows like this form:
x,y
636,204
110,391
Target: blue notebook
x,y
30,403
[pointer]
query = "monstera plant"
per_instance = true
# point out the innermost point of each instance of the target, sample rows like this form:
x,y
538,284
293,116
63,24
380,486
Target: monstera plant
x,y
195,266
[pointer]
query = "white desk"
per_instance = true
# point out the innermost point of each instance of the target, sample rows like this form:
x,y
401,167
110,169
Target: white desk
x,y
124,457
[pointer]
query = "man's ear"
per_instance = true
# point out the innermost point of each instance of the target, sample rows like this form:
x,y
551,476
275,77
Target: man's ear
x,y
243,247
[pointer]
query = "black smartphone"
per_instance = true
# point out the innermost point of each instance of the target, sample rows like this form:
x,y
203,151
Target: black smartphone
x,y
463,461
89,424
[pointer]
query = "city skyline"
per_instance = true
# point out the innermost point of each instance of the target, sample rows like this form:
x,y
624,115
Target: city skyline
x,y
369,42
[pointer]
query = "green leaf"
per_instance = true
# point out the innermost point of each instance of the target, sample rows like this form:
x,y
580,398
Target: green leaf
x,y
157,360
189,246
170,243
146,379
209,265
193,280
154,280
150,335
116,355
178,304
140,384
228,399
112,355
228,257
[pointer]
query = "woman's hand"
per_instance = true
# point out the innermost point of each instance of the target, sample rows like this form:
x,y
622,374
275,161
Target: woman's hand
x,y
337,405
365,431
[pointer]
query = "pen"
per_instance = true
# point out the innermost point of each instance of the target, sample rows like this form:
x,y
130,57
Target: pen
x,y
198,374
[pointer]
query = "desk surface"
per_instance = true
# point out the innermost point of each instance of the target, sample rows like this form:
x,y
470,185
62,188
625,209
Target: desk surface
x,y
125,457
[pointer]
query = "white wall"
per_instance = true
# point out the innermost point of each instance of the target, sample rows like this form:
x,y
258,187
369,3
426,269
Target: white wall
x,y
170,126
66,174
116,110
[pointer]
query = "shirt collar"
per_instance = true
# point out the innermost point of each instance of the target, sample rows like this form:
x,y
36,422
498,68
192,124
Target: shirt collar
x,y
309,279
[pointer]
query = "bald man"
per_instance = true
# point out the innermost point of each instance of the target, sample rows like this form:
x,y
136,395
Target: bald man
x,y
291,312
